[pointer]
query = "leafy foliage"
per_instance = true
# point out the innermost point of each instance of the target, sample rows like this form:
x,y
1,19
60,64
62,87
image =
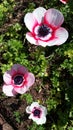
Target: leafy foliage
x,y
28,97
54,63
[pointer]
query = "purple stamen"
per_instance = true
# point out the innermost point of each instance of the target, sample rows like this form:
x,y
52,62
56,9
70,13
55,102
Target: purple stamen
x,y
37,113
43,30
18,79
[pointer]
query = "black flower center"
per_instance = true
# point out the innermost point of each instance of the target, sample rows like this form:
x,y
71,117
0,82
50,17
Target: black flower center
x,y
43,30
37,112
18,79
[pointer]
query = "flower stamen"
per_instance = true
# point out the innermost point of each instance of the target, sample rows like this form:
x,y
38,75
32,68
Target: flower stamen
x,y
37,112
43,30
18,80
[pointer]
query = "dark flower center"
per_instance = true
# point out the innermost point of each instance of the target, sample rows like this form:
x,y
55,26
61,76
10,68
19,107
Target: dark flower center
x,y
43,30
18,79
37,112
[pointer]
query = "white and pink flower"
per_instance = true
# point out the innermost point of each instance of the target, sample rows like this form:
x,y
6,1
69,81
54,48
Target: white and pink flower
x,y
17,80
44,26
64,1
37,113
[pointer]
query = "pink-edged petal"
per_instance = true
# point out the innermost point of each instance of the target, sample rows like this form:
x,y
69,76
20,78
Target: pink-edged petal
x,y
7,77
8,90
30,79
39,14
17,68
61,35
54,17
21,90
31,39
64,1
30,21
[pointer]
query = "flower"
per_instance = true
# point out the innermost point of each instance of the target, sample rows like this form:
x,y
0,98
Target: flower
x,y
44,26
17,80
37,113
64,1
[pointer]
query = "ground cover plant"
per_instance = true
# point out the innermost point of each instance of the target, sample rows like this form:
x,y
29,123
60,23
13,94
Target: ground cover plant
x,y
51,67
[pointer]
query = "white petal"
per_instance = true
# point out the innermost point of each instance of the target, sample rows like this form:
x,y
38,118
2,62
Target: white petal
x,y
28,109
54,17
8,90
33,117
34,104
39,14
30,21
44,110
7,77
41,121
31,39
43,43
